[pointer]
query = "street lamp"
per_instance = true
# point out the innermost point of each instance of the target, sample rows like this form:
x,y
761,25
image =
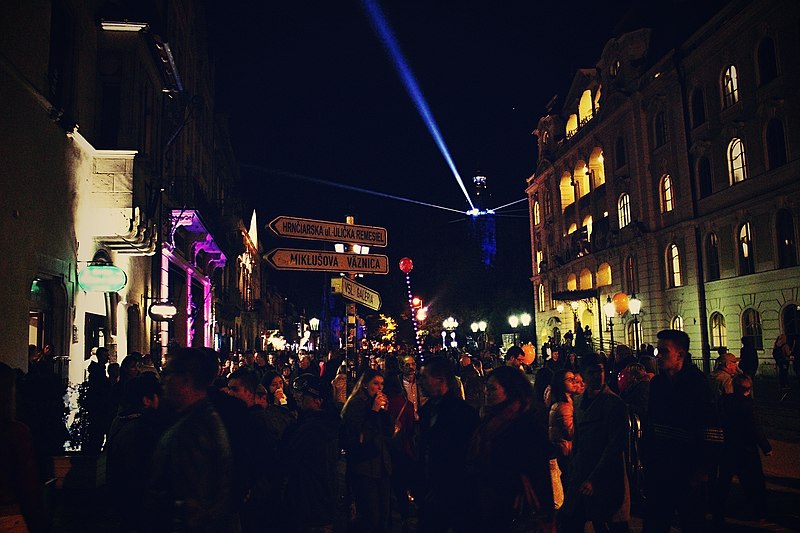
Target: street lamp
x,y
610,310
313,323
523,319
449,324
480,326
635,307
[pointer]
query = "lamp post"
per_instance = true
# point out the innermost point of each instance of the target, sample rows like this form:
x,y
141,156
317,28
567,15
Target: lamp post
x,y
313,323
449,324
635,307
609,309
480,326
513,321
524,320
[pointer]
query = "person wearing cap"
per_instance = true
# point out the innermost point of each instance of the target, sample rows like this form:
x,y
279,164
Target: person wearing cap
x,y
721,379
311,452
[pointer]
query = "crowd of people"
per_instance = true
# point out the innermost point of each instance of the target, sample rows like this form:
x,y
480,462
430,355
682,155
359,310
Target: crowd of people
x,y
461,442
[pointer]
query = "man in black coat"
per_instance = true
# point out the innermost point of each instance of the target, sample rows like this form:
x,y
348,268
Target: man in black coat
x,y
446,427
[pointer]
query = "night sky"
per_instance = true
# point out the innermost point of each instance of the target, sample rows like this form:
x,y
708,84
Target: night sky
x,y
312,94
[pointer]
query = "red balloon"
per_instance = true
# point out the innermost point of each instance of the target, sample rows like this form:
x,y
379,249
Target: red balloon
x,y
406,265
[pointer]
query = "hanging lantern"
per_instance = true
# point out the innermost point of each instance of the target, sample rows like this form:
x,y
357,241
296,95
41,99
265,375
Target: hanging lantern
x,y
102,277
406,265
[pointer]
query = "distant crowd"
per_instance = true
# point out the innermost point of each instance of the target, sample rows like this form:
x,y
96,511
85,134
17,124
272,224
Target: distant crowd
x,y
436,442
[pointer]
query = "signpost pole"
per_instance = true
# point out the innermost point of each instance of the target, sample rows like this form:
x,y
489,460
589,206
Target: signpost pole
x,y
351,331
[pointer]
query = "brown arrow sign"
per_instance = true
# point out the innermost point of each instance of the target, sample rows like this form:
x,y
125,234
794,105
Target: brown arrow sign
x,y
356,292
321,261
322,230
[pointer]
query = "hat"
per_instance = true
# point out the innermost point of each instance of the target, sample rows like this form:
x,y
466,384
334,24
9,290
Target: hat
x,y
310,385
725,358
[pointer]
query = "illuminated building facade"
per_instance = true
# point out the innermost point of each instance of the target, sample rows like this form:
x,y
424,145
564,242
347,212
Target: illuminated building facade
x,y
113,156
676,177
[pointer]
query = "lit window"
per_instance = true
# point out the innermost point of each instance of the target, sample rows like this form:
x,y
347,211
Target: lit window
x,y
572,228
597,167
730,86
572,282
604,275
567,191
719,332
673,266
737,164
541,297
582,179
677,323
587,223
572,125
539,259
586,279
784,230
624,210
751,327
746,259
667,203
585,107
536,213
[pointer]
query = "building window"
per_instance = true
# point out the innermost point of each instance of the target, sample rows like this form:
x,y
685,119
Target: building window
x,y
776,144
572,282
572,228
719,332
667,203
791,320
586,279
572,125
630,274
624,210
737,164
673,266
712,256
539,260
746,260
730,87
587,223
660,129
704,177
677,323
767,64
620,158
751,327
582,179
604,275
597,169
787,245
698,107
536,213
629,330
585,112
567,191
614,70
548,204
541,297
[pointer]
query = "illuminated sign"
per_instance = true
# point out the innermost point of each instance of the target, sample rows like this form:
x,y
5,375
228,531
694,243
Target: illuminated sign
x,y
162,311
102,278
321,261
356,293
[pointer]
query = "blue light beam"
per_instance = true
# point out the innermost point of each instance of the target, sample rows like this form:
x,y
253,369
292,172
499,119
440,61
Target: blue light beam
x,y
509,204
318,181
412,87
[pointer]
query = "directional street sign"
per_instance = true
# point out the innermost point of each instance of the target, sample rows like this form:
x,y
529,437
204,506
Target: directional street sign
x,y
356,293
321,230
321,261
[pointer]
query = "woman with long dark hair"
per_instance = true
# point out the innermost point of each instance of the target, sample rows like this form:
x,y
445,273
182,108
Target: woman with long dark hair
x,y
511,458
366,429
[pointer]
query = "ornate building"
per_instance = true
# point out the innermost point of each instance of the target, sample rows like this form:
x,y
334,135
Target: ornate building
x,y
676,177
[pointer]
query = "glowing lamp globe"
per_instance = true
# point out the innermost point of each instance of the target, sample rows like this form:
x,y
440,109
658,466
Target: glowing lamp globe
x,y
620,302
406,265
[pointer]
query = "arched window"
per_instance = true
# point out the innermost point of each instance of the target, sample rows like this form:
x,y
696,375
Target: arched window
x,y
630,275
751,327
746,259
536,213
604,275
719,331
698,107
620,158
572,228
567,191
712,256
548,203
737,164
624,210
677,323
596,167
787,245
631,337
673,266
582,179
541,297
704,176
776,144
587,223
585,107
767,65
572,282
572,125
597,95
586,279
730,87
667,203
661,134
539,259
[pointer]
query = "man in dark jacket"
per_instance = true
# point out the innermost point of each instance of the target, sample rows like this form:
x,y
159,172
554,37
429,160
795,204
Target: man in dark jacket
x,y
682,441
446,427
311,456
